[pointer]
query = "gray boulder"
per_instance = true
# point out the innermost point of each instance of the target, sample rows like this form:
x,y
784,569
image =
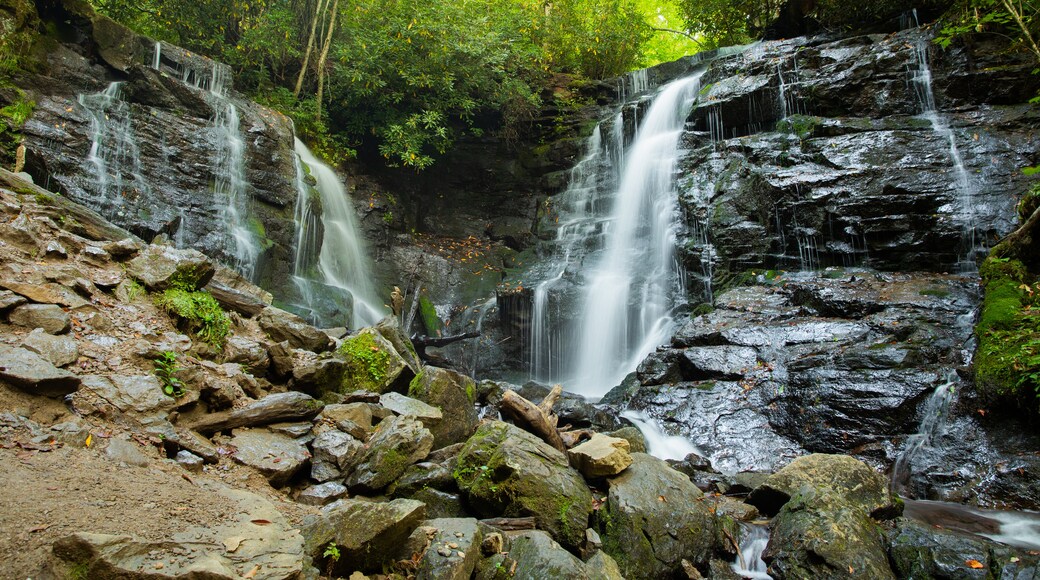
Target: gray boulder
x,y
334,451
396,443
50,317
455,395
9,300
284,326
31,373
250,354
857,482
322,494
59,350
453,551
141,394
366,533
160,267
372,364
538,556
506,471
654,518
274,455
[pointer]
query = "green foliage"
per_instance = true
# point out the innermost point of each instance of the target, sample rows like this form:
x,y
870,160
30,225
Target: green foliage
x,y
332,555
199,312
165,369
803,126
134,289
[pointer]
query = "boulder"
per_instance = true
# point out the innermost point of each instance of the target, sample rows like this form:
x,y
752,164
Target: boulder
x,y
284,326
425,475
189,461
240,301
33,374
654,518
366,533
857,482
322,494
396,443
918,550
47,293
406,406
281,356
455,395
602,567
372,364
248,353
538,557
9,300
334,451
50,317
819,534
453,551
59,350
139,394
276,456
288,406
391,330
506,471
359,414
160,267
600,456
441,504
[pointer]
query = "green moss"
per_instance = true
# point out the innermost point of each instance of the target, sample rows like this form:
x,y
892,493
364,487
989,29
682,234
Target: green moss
x,y
367,363
260,232
803,126
199,312
471,392
428,313
937,292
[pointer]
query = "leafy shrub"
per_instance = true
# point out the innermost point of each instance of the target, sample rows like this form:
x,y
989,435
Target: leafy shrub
x,y
199,312
165,369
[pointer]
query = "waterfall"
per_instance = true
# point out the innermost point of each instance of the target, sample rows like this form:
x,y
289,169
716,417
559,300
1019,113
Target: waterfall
x,y
342,261
113,155
921,79
660,444
229,167
753,542
934,418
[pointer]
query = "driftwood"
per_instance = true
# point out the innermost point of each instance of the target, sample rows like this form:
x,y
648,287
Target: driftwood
x,y
510,524
275,408
538,419
572,438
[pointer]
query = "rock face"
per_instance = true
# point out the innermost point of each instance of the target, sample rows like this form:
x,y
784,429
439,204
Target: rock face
x,y
505,471
163,181
653,519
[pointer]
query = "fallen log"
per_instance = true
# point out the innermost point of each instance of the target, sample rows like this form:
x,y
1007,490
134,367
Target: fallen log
x,y
290,406
510,524
538,419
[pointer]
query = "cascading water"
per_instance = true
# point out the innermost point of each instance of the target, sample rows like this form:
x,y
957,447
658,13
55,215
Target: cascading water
x,y
618,222
229,166
921,78
933,424
749,563
658,443
342,261
113,154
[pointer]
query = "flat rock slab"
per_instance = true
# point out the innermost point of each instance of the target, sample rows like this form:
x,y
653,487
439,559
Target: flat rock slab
x,y
322,494
289,406
35,375
285,326
50,317
274,455
256,542
48,293
59,350
402,405
142,394
9,300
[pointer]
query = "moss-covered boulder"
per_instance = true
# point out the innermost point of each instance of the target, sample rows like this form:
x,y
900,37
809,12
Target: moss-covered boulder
x,y
367,533
538,557
162,267
396,443
373,364
391,330
856,481
455,395
820,534
506,471
653,519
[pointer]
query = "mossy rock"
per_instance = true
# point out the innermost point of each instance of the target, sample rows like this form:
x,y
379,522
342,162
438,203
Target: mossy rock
x,y
455,395
372,364
819,534
859,483
654,518
506,471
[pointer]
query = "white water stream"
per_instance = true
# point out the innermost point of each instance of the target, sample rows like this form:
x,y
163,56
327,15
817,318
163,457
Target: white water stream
x,y
113,155
749,563
343,260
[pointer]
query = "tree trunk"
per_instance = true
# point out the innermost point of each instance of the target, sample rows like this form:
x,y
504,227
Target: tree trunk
x,y
324,56
310,48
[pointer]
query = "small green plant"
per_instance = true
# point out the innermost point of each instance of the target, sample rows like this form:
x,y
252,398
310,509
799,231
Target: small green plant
x,y
165,369
134,290
199,311
332,556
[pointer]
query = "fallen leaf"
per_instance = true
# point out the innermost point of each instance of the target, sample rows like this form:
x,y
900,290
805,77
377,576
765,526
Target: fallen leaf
x,y
1014,559
851,569
660,498
974,564
38,528
90,439
252,573
261,522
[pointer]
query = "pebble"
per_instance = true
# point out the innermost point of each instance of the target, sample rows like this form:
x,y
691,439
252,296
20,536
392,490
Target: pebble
x,y
444,551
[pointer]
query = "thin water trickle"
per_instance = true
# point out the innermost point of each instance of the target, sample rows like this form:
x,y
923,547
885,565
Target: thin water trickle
x,y
660,444
749,562
343,260
113,155
934,416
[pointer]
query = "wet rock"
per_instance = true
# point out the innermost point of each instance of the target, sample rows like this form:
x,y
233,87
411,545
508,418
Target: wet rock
x,y
635,438
281,357
654,518
425,475
59,350
441,504
51,318
274,455
47,293
123,451
918,550
396,443
506,471
718,362
455,395
274,408
803,544
454,549
140,394
283,326
858,483
160,267
189,461
367,533
322,494
33,374
54,249
600,456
